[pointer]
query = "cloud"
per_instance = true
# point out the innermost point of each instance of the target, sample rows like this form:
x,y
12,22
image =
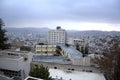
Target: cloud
x,y
28,11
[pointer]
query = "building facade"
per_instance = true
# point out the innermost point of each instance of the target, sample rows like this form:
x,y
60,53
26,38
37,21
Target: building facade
x,y
15,64
57,36
45,49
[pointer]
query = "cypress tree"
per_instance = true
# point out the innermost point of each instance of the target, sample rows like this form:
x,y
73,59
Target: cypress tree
x,y
3,37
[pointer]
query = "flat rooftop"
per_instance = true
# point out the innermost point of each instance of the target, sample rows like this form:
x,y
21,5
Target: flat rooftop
x,y
72,52
10,51
75,75
11,54
9,57
4,78
50,58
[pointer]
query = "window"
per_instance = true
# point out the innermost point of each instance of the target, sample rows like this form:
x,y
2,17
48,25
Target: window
x,y
55,67
25,59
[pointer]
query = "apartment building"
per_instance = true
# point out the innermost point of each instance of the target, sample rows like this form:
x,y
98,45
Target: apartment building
x,y
57,36
75,41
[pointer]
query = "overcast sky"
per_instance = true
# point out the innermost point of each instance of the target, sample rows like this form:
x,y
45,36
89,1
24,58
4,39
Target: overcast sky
x,y
69,14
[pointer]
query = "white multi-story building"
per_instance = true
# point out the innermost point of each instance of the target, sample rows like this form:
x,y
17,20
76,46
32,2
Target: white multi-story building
x,y
57,36
15,64
75,41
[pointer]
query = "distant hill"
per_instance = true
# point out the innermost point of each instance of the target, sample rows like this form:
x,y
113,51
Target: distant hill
x,y
70,33
93,33
28,30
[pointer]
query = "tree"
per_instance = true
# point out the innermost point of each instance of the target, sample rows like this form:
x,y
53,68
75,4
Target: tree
x,y
40,72
77,47
3,37
116,71
110,63
58,51
82,49
86,50
25,48
67,45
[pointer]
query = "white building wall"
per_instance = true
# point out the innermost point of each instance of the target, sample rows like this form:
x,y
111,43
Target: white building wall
x,y
57,36
26,64
87,61
16,62
11,63
77,61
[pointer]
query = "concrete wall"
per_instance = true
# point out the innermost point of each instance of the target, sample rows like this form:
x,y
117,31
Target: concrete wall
x,y
11,63
65,66
26,66
20,62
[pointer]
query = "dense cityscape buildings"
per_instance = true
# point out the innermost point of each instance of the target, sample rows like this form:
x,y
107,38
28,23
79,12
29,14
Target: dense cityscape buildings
x,y
59,39
58,51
